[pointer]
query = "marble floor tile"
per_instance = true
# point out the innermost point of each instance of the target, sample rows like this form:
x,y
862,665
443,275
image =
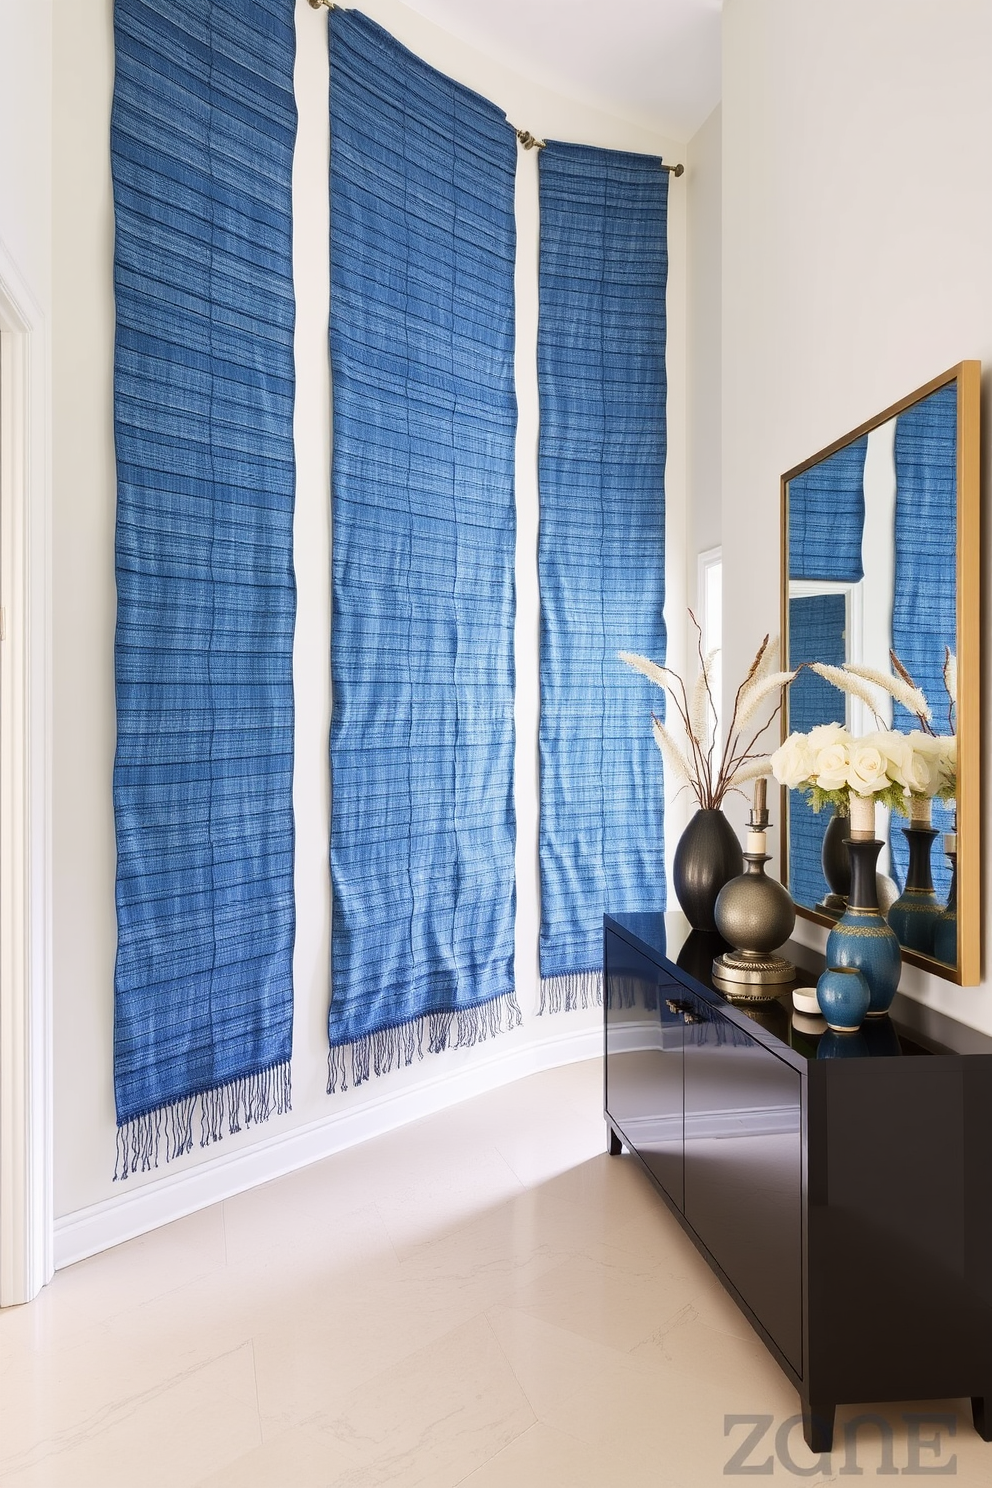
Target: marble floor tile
x,y
481,1299
157,1437
102,1287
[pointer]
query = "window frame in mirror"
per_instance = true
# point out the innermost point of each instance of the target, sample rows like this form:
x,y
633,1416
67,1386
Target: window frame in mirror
x,y
968,970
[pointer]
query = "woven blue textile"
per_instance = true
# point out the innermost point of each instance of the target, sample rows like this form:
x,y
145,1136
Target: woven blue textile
x,y
817,624
827,517
601,376
202,138
422,739
924,612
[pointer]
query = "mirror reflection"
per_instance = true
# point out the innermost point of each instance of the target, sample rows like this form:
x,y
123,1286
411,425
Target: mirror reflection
x,y
871,561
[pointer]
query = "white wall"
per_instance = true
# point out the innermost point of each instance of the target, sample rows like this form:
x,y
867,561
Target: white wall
x,y
857,243
25,141
85,599
25,395
703,339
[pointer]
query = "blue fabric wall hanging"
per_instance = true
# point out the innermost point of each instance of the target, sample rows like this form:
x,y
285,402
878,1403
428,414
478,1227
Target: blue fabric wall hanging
x,y
827,517
826,531
924,612
202,137
601,557
817,628
422,738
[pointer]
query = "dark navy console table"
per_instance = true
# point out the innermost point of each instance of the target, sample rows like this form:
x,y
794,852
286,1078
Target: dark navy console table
x,y
841,1191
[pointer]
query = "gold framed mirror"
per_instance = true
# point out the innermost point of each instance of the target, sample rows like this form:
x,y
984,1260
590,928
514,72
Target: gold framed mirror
x,y
880,555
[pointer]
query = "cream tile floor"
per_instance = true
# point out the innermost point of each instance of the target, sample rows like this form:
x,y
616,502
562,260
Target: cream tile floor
x,y
483,1299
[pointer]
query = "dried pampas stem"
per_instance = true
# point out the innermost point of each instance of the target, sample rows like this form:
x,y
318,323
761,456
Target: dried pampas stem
x,y
672,753
754,770
648,668
848,683
897,687
701,696
768,662
757,692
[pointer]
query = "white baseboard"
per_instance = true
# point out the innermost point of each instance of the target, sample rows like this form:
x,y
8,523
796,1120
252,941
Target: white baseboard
x,y
87,1231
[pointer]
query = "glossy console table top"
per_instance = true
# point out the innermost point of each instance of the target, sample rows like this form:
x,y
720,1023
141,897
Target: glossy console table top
x,y
910,1027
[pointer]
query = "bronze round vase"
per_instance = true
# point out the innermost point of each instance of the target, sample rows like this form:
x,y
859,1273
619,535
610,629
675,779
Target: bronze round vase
x,y
756,914
708,856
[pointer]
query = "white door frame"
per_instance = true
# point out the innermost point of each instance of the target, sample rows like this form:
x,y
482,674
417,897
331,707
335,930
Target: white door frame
x,y
26,1209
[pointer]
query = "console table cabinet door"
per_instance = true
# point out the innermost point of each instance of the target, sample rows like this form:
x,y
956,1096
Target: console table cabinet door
x,y
644,1023
743,1169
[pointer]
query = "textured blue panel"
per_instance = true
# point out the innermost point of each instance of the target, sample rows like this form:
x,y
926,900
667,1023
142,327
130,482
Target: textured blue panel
x,y
827,517
203,129
422,335
924,612
817,626
601,372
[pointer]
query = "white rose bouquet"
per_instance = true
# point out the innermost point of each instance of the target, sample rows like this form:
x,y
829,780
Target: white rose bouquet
x,y
830,766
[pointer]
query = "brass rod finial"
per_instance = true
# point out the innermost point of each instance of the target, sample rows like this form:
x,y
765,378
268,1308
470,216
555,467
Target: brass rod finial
x,y
321,4
676,170
528,140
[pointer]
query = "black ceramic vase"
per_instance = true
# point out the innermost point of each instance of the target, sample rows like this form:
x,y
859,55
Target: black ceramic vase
x,y
916,912
708,856
836,866
699,949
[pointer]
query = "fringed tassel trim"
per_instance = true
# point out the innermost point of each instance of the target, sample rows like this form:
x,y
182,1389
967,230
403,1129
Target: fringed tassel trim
x,y
563,994
248,1100
394,1048
631,992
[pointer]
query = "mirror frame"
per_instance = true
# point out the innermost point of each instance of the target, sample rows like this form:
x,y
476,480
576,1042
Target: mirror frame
x,y
968,971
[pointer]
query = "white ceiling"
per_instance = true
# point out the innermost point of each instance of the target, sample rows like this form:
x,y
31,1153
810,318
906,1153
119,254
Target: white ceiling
x,y
657,61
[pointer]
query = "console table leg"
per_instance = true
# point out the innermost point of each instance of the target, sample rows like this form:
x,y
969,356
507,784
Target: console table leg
x,y
614,1146
981,1414
818,1425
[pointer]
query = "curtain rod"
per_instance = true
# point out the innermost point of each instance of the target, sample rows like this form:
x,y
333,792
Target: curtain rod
x,y
528,140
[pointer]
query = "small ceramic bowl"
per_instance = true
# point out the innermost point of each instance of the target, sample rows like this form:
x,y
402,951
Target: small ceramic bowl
x,y
804,1001
843,995
806,1023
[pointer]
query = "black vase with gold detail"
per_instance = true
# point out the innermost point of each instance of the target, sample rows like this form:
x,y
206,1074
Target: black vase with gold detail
x,y
916,913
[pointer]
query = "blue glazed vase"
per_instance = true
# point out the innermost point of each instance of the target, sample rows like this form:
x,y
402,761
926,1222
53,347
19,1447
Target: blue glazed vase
x,y
861,938
843,995
915,914
842,1046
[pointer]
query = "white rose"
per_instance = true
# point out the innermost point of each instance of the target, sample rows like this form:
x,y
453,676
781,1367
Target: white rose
x,y
826,734
830,768
868,772
941,756
897,752
792,762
